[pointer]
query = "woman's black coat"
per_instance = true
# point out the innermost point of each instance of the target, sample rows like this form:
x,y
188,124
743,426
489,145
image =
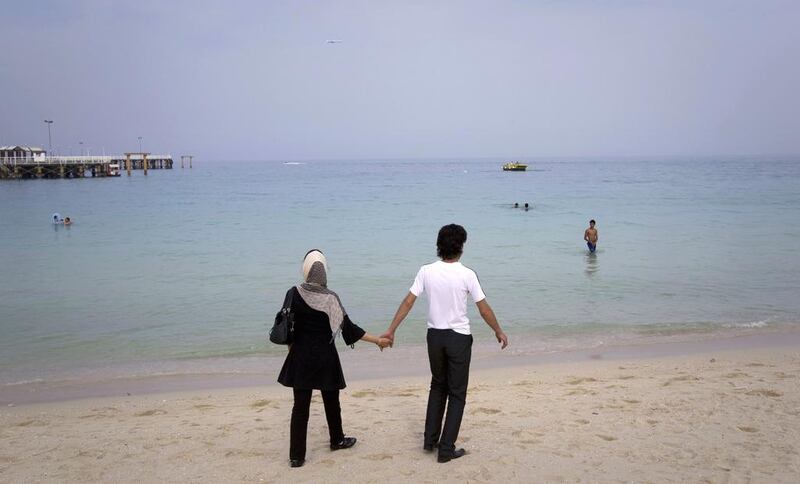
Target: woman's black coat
x,y
313,362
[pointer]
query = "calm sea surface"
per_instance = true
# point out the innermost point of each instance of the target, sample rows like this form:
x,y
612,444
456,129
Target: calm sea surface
x,y
188,267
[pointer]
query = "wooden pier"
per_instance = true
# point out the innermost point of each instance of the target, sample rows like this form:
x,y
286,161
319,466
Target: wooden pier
x,y
21,167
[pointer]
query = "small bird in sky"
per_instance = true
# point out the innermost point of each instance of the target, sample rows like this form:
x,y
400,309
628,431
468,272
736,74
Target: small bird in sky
x,y
333,41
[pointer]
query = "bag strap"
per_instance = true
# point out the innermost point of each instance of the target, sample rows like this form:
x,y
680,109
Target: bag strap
x,y
287,301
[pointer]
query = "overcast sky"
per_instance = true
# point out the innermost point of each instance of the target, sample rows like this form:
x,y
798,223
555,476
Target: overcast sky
x,y
253,80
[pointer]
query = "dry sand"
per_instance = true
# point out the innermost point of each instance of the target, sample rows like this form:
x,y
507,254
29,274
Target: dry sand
x,y
725,416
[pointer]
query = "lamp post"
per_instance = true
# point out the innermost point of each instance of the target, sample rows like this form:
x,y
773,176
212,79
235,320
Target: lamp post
x,y
140,144
81,143
49,137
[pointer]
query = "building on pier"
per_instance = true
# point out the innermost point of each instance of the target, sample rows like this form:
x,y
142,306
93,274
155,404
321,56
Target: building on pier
x,y
23,152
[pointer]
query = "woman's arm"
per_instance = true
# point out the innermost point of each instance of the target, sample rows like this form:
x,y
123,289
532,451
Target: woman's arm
x,y
351,333
381,342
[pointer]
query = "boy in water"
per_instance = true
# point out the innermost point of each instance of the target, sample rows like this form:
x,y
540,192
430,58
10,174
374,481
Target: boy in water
x,y
590,236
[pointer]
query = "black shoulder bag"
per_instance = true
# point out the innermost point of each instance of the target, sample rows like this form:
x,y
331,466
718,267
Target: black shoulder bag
x,y
283,329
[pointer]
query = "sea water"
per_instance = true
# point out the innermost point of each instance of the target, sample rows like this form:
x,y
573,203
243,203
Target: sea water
x,y
185,268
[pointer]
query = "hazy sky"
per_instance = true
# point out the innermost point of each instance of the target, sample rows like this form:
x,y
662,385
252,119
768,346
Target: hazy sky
x,y
411,79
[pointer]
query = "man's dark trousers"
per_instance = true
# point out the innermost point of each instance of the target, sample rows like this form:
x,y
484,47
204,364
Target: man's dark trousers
x,y
449,354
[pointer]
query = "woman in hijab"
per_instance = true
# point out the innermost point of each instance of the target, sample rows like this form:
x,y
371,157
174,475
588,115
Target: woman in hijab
x,y
313,362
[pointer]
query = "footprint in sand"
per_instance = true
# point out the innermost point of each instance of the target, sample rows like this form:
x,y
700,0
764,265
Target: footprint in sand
x,y
680,379
364,393
105,412
578,381
258,403
736,374
607,438
754,365
764,392
91,453
745,428
378,457
631,401
32,423
582,421
150,413
581,391
489,411
651,421
523,383
243,453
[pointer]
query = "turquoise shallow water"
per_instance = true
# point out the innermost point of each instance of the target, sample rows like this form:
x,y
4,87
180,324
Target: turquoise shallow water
x,y
191,265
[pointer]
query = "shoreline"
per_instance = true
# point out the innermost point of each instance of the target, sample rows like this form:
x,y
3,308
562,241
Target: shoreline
x,y
714,415
365,365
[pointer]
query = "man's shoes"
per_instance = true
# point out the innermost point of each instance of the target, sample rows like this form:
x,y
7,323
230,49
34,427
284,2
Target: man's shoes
x,y
448,457
296,462
346,443
429,447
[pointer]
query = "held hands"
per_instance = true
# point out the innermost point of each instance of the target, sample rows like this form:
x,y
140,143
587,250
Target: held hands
x,y
389,336
383,343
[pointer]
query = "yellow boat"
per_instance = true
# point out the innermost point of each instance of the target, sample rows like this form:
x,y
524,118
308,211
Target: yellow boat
x,y
515,167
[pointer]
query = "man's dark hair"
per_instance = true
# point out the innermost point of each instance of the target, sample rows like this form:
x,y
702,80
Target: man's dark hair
x,y
450,242
592,221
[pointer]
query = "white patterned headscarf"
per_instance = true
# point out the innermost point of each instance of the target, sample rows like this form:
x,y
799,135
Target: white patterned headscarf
x,y
315,292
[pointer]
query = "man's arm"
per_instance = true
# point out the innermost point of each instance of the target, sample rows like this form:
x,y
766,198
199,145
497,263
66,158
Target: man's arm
x,y
488,315
586,235
400,315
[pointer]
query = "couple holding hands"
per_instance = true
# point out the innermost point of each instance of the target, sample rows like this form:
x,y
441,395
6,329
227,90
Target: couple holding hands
x,y
313,362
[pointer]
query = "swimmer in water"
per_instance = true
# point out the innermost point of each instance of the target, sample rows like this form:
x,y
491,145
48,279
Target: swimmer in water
x,y
590,236
67,221
526,206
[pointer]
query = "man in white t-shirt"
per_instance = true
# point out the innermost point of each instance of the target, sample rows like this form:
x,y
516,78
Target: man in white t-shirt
x,y
447,283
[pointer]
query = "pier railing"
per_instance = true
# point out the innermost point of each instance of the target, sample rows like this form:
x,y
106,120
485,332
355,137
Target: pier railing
x,y
74,160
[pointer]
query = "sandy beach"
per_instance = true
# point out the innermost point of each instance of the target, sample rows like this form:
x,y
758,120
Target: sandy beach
x,y
719,416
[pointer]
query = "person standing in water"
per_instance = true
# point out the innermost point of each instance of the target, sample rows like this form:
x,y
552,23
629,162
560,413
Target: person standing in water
x,y
590,236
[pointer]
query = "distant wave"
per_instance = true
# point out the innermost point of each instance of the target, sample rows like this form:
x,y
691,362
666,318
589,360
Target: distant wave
x,y
293,163
750,324
23,382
